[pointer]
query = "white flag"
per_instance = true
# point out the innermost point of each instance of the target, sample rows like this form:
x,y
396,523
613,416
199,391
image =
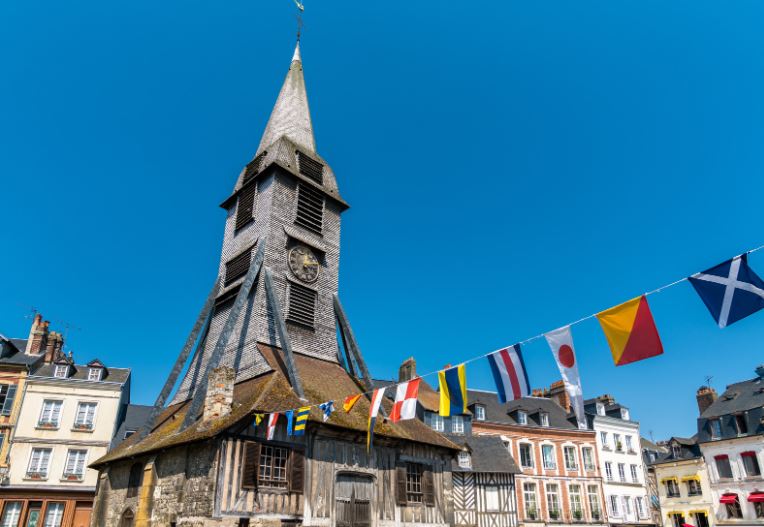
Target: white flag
x,y
561,342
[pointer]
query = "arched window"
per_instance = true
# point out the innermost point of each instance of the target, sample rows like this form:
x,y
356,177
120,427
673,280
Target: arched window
x,y
128,519
135,480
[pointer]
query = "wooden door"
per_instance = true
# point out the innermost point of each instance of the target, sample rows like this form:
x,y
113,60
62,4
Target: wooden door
x,y
353,500
82,515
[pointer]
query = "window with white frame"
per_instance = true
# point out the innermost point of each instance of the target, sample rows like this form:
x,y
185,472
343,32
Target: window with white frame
x,y
526,455
593,494
639,506
613,501
576,504
624,414
588,454
85,418
438,424
50,415
622,471
39,462
492,498
609,470
457,424
544,419
522,417
529,501
464,460
75,464
571,459
61,371
634,474
618,443
629,446
603,438
553,501
600,409
94,374
626,506
716,429
54,513
548,457
11,514
480,412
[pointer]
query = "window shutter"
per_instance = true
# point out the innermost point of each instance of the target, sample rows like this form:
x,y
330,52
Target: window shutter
x,y
297,471
8,404
246,207
237,267
251,465
400,485
311,168
302,305
310,208
71,460
428,487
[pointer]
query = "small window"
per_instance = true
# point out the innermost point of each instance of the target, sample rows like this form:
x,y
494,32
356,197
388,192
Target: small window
x,y
302,305
237,267
530,502
600,409
7,396
723,466
592,492
75,464
634,474
733,507
11,513
492,498
553,501
750,464
617,441
526,455
741,424
253,167
94,374
85,418
457,424
603,439
677,519
438,423
310,208
61,371
676,451
716,429
614,506
758,508
622,472
54,514
548,457
135,480
571,459
522,417
39,462
414,490
639,507
465,460
588,455
693,488
50,415
128,433
624,414
701,519
672,488
544,418
629,446
480,413
608,470
273,466
576,503
311,168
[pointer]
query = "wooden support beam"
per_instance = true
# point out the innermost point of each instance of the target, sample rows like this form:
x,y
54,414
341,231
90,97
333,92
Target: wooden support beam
x,y
345,359
225,334
351,345
200,327
286,346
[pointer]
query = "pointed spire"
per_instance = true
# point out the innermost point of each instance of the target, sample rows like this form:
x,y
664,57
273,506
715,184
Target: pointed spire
x,y
291,115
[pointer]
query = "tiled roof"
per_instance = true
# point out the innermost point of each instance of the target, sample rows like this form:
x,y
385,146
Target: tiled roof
x,y
322,381
80,372
738,397
497,412
688,449
487,452
136,416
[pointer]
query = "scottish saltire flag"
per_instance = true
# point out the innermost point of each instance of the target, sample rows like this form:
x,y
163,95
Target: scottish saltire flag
x,y
271,428
376,401
289,414
731,290
327,408
509,374
453,391
404,407
301,420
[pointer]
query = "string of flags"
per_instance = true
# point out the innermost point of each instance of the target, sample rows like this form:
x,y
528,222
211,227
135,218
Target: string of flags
x,y
731,291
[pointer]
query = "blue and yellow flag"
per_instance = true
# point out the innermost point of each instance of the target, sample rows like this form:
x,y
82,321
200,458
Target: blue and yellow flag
x,y
301,420
453,391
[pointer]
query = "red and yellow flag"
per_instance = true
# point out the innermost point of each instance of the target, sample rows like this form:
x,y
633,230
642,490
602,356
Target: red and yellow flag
x,y
630,331
350,401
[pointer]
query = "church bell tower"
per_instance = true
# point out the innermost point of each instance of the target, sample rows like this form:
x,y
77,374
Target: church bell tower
x,y
284,209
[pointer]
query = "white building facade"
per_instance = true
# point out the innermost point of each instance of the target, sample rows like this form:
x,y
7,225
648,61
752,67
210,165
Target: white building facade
x,y
620,456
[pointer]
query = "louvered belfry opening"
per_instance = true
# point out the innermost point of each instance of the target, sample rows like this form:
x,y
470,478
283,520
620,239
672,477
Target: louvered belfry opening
x,y
246,209
311,168
237,267
302,305
310,208
253,167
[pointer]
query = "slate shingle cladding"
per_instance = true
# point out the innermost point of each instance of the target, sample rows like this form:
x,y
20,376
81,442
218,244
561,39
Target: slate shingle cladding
x,y
743,398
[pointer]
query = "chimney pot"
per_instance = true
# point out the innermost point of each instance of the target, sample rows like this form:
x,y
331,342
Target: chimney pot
x,y
407,371
38,336
219,399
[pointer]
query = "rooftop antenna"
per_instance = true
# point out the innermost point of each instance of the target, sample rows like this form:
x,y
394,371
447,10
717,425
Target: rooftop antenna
x,y
708,380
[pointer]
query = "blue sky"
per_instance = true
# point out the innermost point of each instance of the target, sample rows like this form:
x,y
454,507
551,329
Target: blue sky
x,y
511,166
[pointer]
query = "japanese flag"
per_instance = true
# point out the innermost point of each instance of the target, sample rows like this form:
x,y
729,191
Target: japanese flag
x,y
561,342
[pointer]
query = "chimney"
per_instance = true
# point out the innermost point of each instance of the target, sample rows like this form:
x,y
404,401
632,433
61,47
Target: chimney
x,y
560,395
407,371
219,397
38,336
54,346
606,399
705,397
760,371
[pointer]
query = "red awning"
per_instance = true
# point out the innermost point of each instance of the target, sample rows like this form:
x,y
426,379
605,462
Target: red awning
x,y
728,498
756,497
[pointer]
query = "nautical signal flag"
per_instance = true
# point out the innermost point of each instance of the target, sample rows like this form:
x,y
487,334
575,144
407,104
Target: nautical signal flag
x,y
327,408
258,419
561,342
630,331
404,406
453,391
376,401
301,420
509,374
350,401
271,430
730,290
289,414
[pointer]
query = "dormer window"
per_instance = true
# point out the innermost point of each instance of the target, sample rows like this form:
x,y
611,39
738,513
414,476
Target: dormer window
x,y
544,419
675,451
465,460
600,409
480,413
61,371
741,424
624,414
94,374
522,417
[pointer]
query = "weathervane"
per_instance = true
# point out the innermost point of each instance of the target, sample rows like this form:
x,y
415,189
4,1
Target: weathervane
x,y
300,10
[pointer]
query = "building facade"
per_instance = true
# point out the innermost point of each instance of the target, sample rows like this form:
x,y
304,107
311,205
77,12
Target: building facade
x,y
731,439
560,481
620,456
69,414
651,452
683,488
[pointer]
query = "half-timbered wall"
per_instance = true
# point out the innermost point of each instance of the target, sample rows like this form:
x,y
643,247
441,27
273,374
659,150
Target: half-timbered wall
x,y
471,504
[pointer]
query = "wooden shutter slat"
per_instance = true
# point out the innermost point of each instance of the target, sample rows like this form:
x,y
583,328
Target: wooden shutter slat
x,y
297,471
245,209
251,465
400,486
428,487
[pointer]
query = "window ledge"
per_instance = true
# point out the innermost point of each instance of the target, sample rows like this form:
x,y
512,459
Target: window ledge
x,y
86,430
73,479
47,427
29,477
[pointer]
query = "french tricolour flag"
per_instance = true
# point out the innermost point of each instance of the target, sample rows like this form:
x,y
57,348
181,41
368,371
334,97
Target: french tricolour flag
x,y
509,373
406,395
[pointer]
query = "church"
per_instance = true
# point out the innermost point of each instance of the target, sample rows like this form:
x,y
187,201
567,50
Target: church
x,y
267,340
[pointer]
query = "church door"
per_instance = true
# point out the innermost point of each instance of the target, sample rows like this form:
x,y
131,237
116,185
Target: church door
x,y
353,498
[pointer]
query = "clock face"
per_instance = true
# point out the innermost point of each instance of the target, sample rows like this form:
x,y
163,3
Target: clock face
x,y
304,263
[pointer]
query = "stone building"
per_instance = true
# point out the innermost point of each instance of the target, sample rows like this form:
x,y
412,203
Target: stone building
x,y
560,481
266,341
